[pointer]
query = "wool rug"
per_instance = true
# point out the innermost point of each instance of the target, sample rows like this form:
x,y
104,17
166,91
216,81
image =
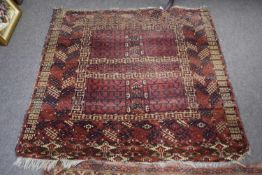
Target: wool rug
x,y
141,86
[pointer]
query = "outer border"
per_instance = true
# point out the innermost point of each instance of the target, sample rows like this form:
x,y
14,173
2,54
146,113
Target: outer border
x,y
233,118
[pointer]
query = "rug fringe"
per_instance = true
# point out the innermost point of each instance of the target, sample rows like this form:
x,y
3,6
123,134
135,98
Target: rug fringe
x,y
43,164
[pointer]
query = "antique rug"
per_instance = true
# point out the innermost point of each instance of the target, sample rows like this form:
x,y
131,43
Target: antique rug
x,y
141,86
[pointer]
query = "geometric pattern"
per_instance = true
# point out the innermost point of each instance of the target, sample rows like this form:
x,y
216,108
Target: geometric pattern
x,y
133,86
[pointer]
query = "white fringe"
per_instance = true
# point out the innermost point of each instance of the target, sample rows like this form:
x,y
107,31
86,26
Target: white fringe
x,y
43,164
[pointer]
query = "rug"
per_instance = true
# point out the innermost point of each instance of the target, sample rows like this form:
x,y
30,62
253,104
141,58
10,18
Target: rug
x,y
141,86
87,168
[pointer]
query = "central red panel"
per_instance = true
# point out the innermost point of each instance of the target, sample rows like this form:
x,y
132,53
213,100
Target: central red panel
x,y
119,44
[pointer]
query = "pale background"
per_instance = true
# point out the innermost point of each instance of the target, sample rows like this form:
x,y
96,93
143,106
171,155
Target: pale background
x,y
239,26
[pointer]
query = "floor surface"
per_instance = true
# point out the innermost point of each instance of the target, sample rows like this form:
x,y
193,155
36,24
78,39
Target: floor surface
x,y
239,26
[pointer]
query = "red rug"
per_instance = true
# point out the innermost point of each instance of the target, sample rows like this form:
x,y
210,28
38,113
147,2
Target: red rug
x,y
131,86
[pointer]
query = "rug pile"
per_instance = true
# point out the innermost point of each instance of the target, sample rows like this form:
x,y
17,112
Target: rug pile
x,y
124,87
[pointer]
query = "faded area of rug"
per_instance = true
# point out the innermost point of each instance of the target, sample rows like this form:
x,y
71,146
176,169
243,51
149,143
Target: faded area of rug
x,y
146,86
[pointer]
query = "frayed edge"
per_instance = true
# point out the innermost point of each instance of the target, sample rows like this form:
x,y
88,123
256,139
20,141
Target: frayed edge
x,y
188,8
43,164
239,161
123,9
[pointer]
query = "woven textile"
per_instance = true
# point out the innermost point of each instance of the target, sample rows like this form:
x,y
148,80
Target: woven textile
x,y
88,168
132,86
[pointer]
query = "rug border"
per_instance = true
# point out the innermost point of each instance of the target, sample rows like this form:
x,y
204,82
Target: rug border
x,y
42,57
241,124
